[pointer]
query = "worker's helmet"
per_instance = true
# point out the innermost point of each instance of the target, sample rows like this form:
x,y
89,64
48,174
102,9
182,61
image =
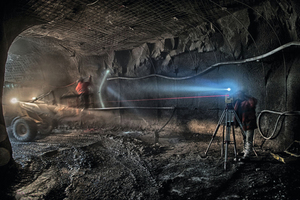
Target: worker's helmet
x,y
80,79
241,94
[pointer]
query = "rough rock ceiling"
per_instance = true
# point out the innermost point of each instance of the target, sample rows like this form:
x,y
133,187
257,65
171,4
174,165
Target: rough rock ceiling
x,y
99,26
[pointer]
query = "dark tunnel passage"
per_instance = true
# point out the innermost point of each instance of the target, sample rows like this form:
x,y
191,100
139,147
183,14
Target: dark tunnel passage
x,y
162,79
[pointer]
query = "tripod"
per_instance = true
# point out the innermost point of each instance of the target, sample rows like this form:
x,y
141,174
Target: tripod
x,y
227,114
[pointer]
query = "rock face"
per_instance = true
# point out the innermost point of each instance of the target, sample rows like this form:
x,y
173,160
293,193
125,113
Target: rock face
x,y
247,33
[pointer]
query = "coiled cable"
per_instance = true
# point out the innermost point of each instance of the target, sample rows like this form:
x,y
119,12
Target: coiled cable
x,y
281,116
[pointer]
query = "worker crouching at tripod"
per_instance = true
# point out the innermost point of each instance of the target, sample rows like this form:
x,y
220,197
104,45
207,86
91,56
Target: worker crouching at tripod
x,y
244,107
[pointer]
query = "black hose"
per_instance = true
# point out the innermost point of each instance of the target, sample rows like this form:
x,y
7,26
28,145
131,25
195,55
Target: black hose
x,y
156,133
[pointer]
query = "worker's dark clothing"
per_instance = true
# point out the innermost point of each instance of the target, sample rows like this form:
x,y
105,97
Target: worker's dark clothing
x,y
83,90
245,109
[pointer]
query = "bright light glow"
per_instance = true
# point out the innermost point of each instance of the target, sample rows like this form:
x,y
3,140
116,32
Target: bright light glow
x,y
201,88
100,88
14,100
33,98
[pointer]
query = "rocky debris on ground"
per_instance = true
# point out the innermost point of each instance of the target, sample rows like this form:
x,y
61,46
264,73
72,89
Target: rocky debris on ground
x,y
101,164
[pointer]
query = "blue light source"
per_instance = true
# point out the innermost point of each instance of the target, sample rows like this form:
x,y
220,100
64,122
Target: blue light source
x,y
228,89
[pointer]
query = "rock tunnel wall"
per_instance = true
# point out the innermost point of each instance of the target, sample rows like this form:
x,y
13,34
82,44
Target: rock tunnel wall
x,y
244,34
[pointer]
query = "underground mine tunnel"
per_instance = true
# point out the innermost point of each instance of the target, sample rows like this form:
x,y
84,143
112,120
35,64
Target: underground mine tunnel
x,y
159,120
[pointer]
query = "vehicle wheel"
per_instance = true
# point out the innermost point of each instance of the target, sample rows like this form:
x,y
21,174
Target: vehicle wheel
x,y
24,129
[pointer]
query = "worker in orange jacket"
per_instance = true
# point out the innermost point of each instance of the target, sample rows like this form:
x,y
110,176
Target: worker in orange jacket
x,y
82,89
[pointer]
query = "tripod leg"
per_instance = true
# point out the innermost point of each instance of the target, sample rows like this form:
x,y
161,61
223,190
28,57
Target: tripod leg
x,y
223,140
225,159
240,124
227,137
213,136
234,142
215,133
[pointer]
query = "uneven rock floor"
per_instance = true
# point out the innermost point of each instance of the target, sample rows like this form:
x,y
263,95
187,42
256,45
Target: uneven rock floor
x,y
117,164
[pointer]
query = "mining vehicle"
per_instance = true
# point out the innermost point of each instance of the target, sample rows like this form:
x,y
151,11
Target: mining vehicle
x,y
26,119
